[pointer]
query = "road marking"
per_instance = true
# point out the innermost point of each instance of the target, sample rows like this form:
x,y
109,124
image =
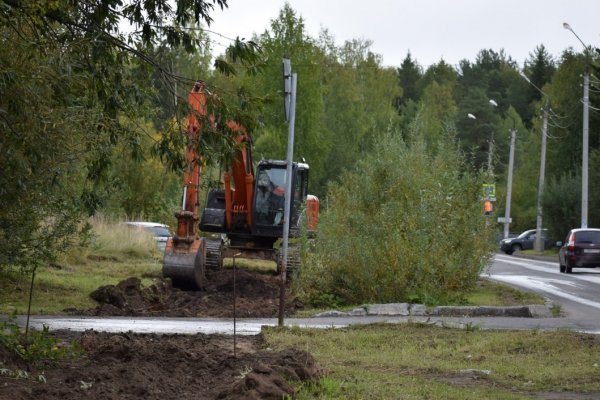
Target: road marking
x,y
593,278
545,286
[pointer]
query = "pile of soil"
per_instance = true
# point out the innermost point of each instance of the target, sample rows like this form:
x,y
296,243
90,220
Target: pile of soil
x,y
256,296
132,366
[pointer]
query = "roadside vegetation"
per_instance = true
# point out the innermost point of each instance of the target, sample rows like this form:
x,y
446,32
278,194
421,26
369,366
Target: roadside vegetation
x,y
115,252
112,252
425,361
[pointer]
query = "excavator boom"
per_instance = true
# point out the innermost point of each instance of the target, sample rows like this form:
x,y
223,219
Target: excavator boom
x,y
185,253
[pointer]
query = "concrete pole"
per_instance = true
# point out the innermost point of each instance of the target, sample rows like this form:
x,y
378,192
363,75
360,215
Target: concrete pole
x,y
585,144
539,243
511,162
585,149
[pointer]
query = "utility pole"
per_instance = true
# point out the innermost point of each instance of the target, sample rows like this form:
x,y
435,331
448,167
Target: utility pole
x,y
585,148
539,243
511,162
586,124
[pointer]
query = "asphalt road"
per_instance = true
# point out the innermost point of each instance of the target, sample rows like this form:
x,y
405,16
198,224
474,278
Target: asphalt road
x,y
578,295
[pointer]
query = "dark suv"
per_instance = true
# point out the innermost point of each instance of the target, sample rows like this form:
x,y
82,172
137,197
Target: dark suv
x,y
524,241
580,250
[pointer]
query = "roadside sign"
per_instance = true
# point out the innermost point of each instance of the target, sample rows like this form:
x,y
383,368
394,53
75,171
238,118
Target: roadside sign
x,y
489,191
502,220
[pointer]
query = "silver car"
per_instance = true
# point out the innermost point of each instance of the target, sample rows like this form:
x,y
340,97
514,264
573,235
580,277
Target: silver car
x,y
160,232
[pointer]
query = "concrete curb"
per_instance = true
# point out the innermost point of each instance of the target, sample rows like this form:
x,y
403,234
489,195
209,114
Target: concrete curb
x,y
406,309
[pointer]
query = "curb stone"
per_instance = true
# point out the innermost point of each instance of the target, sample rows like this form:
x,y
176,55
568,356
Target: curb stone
x,y
406,309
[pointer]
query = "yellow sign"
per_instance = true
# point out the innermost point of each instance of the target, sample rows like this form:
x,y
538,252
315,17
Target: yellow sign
x,y
489,191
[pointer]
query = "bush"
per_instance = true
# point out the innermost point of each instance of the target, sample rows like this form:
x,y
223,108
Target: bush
x,y
39,347
405,226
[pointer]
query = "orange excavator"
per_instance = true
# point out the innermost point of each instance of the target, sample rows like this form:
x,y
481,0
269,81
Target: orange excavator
x,y
247,211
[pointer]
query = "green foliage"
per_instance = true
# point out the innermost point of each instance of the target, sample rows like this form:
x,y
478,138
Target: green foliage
x,y
562,204
38,347
404,225
325,300
44,139
562,200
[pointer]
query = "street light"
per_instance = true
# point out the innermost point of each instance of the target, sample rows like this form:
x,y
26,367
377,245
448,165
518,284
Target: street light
x,y
585,145
539,243
511,162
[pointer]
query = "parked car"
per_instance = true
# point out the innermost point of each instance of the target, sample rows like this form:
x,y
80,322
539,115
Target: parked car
x,y
525,241
160,232
581,249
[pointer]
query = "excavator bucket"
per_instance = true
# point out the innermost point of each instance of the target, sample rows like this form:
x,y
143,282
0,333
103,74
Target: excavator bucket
x,y
185,266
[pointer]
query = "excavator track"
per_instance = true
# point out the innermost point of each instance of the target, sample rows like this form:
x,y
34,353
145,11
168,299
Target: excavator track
x,y
214,255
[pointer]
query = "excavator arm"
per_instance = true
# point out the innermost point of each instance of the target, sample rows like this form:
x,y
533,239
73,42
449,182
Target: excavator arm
x,y
185,253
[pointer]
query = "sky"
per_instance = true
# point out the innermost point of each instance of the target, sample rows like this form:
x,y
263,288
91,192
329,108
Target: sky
x,y
430,30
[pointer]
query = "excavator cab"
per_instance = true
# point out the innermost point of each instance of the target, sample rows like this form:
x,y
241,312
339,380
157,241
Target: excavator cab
x,y
268,203
269,197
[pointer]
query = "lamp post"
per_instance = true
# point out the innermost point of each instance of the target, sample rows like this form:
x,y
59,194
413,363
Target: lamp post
x,y
585,144
539,243
511,162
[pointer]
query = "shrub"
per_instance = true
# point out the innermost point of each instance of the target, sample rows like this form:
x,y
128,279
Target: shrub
x,y
404,226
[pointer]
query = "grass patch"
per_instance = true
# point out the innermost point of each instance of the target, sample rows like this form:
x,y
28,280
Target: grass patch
x,y
553,252
57,290
424,361
489,293
115,252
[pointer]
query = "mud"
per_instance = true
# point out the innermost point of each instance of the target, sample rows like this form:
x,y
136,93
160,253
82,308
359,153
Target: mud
x,y
256,296
132,366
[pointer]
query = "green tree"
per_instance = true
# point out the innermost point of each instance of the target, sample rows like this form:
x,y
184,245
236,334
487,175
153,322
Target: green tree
x,y
358,105
437,114
564,148
409,75
539,68
69,87
288,37
475,135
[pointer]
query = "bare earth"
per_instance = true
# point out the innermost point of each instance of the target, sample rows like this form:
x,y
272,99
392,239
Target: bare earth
x,y
133,366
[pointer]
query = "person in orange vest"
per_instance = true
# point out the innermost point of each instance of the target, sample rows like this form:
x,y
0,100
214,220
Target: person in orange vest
x,y
487,207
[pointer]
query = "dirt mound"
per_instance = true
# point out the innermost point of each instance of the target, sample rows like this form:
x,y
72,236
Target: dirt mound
x,y
256,296
133,366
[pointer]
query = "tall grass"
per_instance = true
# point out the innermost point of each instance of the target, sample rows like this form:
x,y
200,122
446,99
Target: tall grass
x,y
113,238
111,253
